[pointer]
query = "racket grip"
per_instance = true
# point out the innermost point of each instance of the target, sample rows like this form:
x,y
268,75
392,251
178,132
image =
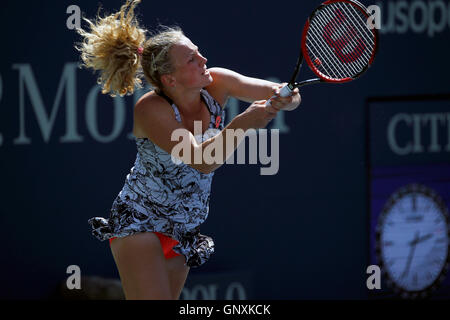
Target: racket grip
x,y
284,92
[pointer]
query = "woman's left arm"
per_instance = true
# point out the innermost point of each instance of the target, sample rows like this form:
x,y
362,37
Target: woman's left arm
x,y
228,83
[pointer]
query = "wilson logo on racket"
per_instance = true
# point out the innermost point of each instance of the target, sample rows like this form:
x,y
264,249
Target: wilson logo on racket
x,y
344,38
337,44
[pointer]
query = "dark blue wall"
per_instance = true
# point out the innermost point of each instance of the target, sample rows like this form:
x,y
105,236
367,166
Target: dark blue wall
x,y
302,233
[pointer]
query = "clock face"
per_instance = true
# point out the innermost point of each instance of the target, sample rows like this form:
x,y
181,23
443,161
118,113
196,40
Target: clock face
x,y
413,241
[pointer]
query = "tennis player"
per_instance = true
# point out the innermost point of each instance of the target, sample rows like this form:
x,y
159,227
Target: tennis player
x,y
154,222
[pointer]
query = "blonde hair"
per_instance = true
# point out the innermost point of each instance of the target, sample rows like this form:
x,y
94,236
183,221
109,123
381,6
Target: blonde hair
x,y
156,60
111,47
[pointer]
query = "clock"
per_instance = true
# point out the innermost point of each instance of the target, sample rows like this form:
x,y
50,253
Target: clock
x,y
412,241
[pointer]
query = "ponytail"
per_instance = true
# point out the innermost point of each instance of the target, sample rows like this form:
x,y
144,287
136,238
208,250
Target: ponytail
x,y
111,46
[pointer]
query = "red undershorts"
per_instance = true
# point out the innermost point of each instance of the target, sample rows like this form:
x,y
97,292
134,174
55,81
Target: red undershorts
x,y
167,245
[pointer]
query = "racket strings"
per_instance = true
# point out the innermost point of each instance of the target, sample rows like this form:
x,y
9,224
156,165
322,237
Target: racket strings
x,y
354,22
326,54
327,59
345,40
351,37
359,22
360,19
339,42
328,63
349,40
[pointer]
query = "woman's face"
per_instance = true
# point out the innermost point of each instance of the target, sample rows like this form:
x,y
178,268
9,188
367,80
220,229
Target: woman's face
x,y
190,65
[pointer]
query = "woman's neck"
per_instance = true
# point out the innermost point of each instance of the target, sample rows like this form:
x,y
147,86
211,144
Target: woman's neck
x,y
188,101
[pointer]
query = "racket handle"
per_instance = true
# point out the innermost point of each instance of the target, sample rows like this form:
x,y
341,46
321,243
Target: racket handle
x,y
284,92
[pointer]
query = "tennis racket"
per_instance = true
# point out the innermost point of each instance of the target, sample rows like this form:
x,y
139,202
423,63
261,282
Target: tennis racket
x,y
338,44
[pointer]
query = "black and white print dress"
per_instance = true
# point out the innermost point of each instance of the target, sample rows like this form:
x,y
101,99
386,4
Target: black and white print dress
x,y
166,196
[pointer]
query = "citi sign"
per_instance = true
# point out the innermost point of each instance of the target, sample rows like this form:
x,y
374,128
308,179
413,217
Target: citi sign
x,y
420,133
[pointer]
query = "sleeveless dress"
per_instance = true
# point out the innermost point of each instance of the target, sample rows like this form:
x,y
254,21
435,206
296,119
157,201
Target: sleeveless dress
x,y
161,194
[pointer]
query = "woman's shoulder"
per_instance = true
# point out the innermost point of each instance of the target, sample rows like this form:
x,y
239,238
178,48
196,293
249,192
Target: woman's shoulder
x,y
149,103
149,98
151,108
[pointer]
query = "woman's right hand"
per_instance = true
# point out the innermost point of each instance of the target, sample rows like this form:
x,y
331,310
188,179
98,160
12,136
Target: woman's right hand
x,y
257,115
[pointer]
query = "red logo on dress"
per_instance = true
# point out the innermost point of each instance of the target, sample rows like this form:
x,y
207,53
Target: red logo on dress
x,y
218,119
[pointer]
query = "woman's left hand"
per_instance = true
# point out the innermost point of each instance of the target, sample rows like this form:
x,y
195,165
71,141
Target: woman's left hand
x,y
285,103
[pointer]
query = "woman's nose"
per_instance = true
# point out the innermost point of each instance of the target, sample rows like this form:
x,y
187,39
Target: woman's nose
x,y
202,59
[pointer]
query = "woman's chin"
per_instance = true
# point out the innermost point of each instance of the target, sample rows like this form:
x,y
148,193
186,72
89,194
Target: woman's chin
x,y
208,80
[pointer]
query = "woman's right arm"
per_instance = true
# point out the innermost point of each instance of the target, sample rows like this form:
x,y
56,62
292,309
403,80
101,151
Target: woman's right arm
x,y
156,119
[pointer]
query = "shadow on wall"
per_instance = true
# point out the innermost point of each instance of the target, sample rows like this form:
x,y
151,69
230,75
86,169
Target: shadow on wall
x,y
92,288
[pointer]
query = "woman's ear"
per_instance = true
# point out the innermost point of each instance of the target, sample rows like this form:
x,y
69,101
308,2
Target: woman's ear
x,y
168,80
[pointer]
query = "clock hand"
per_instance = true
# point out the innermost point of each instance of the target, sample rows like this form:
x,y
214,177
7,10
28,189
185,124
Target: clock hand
x,y
413,244
426,237
408,264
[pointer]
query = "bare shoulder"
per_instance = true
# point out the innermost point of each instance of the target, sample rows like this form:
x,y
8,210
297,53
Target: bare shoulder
x,y
148,103
150,111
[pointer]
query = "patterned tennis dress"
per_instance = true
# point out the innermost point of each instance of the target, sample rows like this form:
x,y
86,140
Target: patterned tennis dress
x,y
164,195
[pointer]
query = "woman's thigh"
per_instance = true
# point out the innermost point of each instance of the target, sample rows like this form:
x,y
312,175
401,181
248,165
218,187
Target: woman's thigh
x,y
142,266
178,273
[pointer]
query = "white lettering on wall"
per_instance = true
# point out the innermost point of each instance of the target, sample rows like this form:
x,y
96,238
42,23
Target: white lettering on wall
x,y
28,84
418,16
416,126
118,107
33,108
